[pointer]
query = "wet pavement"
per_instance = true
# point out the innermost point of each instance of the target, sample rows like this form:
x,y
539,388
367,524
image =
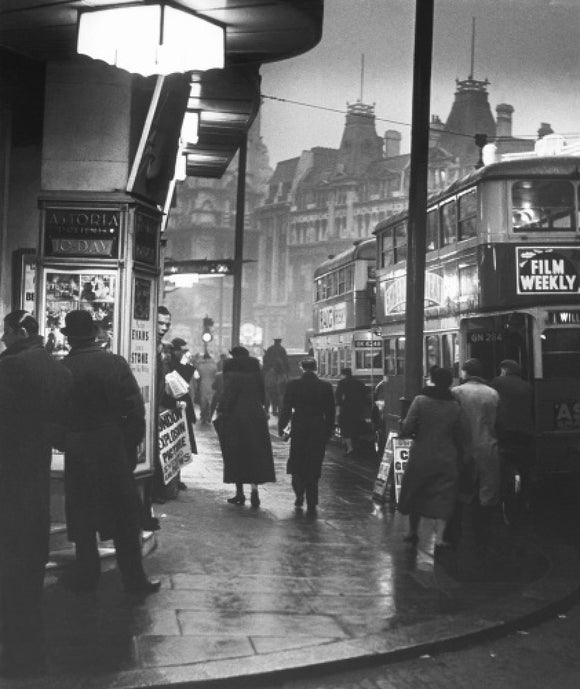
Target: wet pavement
x,y
252,595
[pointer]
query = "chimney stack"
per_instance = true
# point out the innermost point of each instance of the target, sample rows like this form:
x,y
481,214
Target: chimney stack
x,y
436,128
392,140
544,130
504,114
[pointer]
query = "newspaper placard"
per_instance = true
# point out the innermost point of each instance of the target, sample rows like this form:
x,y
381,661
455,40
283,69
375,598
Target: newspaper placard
x,y
385,469
174,448
401,447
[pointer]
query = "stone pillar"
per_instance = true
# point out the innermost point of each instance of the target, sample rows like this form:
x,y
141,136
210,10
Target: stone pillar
x,y
87,127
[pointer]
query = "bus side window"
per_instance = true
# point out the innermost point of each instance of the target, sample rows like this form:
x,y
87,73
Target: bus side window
x,y
390,357
400,355
432,353
561,353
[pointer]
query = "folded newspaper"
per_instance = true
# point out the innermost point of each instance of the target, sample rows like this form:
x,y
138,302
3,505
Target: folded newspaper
x,y
177,384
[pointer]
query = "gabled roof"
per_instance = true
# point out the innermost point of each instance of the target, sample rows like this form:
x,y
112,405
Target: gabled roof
x,y
285,171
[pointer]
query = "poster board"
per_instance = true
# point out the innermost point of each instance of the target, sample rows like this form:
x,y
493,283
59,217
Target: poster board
x,y
174,447
142,360
385,470
401,447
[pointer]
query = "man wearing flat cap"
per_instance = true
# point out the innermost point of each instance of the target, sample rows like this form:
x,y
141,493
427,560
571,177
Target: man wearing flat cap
x,y
107,422
309,409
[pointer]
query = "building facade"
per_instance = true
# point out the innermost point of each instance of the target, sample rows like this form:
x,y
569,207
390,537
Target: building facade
x,y
202,226
321,202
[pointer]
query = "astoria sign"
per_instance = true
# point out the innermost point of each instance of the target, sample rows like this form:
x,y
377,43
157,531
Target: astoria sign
x,y
81,233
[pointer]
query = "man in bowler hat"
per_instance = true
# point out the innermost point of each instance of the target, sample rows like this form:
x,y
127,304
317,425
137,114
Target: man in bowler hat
x,y
107,422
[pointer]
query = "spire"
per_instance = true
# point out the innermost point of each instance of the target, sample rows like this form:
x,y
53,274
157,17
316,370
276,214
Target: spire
x,y
472,46
470,114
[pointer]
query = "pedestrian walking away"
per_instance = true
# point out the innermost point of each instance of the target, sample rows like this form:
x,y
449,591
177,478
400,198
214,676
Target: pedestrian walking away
x,y
34,397
515,425
207,369
430,482
481,480
105,425
351,399
276,371
308,407
243,428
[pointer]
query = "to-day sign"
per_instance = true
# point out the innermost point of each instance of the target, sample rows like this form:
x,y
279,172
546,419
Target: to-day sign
x,y
542,270
174,448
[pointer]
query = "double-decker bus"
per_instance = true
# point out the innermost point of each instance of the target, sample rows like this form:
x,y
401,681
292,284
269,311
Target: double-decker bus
x,y
502,281
344,302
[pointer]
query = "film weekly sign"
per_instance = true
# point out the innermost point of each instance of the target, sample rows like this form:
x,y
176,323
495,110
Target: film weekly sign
x,y
174,449
548,270
81,233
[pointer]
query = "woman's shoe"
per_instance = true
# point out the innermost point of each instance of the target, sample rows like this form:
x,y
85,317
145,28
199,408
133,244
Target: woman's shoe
x,y
237,500
255,499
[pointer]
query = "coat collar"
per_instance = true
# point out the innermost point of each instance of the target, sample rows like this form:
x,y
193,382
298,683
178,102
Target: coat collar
x,y
23,344
89,348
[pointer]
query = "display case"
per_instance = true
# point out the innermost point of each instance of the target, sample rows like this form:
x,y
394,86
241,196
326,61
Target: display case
x,y
104,258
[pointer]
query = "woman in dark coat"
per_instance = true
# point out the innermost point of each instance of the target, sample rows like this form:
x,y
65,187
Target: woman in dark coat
x,y
430,483
243,427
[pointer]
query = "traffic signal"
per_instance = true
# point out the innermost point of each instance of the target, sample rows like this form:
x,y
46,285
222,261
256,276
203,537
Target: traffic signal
x,y
207,334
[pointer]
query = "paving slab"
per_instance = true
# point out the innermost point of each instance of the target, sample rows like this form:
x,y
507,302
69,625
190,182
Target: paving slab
x,y
250,595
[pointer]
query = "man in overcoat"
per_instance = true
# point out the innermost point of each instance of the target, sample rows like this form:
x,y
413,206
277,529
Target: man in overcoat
x,y
479,405
106,423
34,392
309,408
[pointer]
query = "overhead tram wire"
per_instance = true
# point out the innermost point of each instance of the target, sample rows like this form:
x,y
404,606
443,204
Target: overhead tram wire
x,y
398,122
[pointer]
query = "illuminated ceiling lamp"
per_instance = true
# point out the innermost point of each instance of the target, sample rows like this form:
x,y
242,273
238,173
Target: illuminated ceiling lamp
x,y
190,128
147,39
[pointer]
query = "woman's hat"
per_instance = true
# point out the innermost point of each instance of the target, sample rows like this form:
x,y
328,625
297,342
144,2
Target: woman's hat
x,y
239,351
79,324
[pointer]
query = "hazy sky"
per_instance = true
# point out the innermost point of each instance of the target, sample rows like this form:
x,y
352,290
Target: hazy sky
x,y
528,49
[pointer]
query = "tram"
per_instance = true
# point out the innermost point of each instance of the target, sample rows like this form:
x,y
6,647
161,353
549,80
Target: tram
x,y
502,281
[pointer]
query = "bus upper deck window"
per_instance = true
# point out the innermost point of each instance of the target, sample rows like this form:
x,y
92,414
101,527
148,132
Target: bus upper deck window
x,y
432,230
467,211
449,223
400,242
542,205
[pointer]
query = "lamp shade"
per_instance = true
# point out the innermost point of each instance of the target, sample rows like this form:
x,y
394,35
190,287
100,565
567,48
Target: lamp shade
x,y
151,39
